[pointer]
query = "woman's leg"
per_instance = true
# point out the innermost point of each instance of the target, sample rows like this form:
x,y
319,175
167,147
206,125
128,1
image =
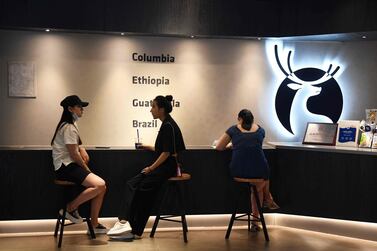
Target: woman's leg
x,y
127,197
146,195
266,191
141,193
260,189
143,202
95,207
268,199
95,189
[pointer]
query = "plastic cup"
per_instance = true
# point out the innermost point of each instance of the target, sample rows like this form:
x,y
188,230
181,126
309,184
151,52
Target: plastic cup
x,y
138,144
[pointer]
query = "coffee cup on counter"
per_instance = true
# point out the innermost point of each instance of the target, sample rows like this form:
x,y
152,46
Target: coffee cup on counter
x,y
138,144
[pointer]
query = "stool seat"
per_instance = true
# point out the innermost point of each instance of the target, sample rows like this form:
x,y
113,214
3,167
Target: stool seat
x,y
185,176
245,180
64,183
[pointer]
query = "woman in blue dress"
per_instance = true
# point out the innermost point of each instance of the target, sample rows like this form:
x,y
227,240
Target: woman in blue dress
x,y
248,160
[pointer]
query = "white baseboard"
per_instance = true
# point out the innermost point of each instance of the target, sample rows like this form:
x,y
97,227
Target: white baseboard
x,y
353,229
46,227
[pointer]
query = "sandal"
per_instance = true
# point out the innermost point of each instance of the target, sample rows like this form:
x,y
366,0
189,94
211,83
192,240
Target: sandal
x,y
255,228
270,205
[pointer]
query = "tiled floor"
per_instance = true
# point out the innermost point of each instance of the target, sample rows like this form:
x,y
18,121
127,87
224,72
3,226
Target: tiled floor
x,y
282,239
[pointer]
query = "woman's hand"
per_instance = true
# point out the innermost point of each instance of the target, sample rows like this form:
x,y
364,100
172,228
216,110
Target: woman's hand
x,y
163,156
147,170
76,154
84,155
223,142
147,147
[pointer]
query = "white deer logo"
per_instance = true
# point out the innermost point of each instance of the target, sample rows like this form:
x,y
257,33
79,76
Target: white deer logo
x,y
307,95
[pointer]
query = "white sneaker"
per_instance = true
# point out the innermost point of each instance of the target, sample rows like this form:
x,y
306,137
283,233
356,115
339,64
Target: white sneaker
x,y
128,236
119,229
74,216
77,215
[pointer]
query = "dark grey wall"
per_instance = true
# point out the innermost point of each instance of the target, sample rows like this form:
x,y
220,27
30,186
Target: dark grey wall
x,y
186,17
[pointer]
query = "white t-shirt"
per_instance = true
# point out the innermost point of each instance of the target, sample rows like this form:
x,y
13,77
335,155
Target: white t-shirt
x,y
67,134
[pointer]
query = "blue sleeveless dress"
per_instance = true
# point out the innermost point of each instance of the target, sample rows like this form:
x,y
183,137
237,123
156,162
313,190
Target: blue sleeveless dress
x,y
248,159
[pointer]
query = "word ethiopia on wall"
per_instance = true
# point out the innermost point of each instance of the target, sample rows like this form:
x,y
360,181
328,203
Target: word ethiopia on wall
x,y
142,80
163,58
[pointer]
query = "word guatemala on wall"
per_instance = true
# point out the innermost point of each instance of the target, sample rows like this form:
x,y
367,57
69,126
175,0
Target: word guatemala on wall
x,y
148,103
153,58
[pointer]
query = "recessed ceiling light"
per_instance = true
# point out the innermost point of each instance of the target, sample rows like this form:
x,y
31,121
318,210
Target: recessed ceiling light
x,y
364,37
259,38
192,36
122,34
47,30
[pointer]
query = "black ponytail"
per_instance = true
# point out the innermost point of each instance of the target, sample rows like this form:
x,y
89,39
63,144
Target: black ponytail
x,y
65,118
247,118
164,102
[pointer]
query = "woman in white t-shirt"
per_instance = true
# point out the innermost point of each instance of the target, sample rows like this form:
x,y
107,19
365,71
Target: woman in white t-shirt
x,y
71,163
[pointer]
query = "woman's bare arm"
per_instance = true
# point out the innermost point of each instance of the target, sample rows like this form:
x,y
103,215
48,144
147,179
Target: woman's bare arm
x,y
73,150
163,156
223,142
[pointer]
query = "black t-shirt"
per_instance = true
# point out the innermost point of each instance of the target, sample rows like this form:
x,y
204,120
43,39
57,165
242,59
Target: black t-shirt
x,y
165,139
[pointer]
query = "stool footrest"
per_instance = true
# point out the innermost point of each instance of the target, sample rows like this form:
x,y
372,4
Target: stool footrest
x,y
246,220
178,221
67,224
255,218
169,216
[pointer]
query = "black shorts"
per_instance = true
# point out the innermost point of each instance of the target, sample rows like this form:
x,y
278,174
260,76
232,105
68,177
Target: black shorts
x,y
73,173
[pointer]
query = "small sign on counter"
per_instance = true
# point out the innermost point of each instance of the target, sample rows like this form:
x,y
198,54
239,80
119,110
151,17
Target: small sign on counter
x,y
348,133
320,134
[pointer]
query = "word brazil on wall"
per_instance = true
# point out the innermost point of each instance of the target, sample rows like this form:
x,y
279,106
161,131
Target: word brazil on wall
x,y
144,124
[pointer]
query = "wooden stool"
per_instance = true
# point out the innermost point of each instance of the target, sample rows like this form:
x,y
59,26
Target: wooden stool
x,y
60,222
252,189
176,184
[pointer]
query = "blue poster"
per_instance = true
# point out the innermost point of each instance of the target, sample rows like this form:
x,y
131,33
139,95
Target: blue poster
x,y
347,134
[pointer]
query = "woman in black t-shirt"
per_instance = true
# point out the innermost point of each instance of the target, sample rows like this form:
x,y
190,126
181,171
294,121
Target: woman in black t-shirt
x,y
142,189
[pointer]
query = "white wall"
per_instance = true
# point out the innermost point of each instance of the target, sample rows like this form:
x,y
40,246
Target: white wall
x,y
211,78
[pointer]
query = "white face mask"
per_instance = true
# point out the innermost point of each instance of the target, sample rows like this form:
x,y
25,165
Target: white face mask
x,y
75,117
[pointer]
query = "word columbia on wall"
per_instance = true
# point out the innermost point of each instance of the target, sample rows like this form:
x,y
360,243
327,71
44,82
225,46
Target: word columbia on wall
x,y
163,58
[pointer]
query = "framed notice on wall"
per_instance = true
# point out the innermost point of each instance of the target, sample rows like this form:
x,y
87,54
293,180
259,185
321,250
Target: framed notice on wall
x,y
320,134
21,79
348,133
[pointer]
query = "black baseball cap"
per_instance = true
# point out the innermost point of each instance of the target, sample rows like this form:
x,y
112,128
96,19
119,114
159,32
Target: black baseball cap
x,y
72,101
